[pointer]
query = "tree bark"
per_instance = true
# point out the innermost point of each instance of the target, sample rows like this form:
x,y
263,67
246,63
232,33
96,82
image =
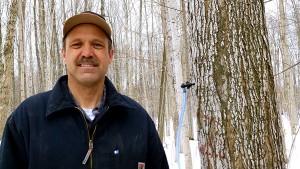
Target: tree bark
x,y
21,51
42,57
40,74
238,119
6,72
164,70
102,8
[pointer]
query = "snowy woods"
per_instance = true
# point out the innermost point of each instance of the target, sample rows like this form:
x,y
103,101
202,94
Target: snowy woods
x,y
242,55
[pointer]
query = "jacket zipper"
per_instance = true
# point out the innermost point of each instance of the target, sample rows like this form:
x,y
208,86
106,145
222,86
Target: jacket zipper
x,y
91,146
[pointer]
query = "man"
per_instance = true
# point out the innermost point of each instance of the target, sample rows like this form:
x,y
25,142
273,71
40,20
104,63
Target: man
x,y
83,123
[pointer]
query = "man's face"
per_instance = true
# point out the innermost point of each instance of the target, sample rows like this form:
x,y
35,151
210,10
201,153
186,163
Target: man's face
x,y
87,55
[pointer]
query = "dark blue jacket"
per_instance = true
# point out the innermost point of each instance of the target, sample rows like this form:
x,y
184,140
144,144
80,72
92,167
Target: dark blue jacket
x,y
48,131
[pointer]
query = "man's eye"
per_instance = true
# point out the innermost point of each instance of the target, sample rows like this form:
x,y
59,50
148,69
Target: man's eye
x,y
76,45
98,45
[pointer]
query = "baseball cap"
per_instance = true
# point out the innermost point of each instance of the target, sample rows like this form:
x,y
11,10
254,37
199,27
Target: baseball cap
x,y
87,17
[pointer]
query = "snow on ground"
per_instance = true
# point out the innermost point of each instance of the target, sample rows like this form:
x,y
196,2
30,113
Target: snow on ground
x,y
292,144
169,145
171,152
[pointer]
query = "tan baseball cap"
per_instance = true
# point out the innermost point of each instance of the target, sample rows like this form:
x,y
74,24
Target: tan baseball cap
x,y
87,17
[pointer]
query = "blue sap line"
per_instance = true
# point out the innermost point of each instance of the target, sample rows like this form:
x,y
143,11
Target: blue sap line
x,y
179,127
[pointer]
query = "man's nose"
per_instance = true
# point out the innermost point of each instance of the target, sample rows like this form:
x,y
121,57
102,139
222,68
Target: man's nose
x,y
87,51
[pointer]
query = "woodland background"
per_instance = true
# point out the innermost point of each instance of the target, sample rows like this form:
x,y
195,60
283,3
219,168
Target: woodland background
x,y
243,58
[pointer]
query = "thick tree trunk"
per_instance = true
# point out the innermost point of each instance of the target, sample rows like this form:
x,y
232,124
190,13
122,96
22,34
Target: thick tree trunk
x,y
238,119
6,72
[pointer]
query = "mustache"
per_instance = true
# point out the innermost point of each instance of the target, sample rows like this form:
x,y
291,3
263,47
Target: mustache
x,y
89,60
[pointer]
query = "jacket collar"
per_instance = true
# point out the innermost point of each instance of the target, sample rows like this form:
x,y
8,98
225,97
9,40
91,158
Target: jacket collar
x,y
60,97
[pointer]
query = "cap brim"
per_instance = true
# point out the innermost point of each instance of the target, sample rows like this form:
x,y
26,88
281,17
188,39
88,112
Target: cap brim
x,y
85,18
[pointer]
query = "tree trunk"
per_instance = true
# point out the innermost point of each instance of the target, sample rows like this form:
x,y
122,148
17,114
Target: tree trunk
x,y
147,74
1,40
30,70
55,57
296,15
102,8
6,72
164,70
186,65
40,74
238,119
162,98
21,50
289,97
143,63
42,57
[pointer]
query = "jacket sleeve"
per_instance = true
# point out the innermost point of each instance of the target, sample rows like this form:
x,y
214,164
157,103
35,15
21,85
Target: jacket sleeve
x,y
12,149
156,157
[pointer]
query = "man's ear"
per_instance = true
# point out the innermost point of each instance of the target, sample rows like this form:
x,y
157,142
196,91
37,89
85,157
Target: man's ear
x,y
111,55
63,54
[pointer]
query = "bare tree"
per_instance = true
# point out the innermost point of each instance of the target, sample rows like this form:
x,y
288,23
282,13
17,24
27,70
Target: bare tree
x,y
21,52
288,93
42,57
163,81
6,69
40,74
102,8
55,57
1,37
30,70
142,61
238,119
296,15
296,22
186,68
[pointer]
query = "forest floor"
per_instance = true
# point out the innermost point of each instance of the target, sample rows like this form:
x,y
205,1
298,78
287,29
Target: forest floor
x,y
292,145
169,145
